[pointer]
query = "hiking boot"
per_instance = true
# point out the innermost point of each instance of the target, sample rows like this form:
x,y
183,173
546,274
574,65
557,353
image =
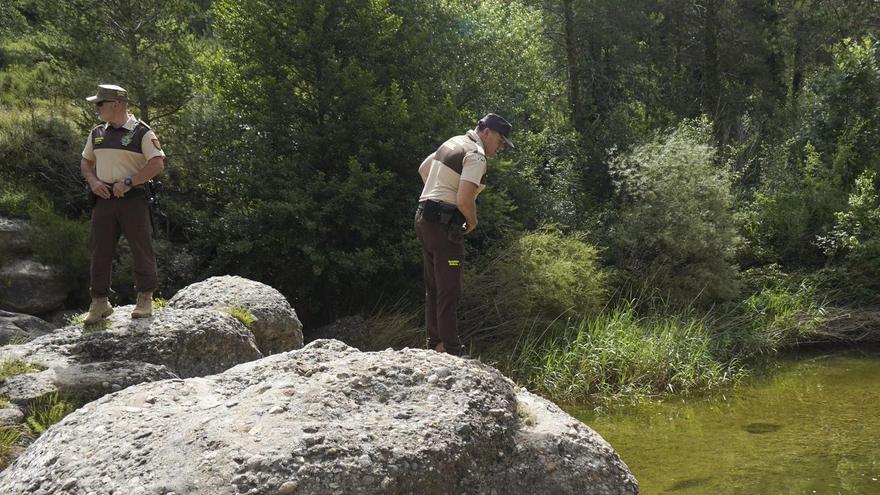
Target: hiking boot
x,y
144,306
98,310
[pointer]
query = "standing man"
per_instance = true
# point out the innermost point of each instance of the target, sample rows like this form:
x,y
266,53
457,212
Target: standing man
x,y
453,176
120,156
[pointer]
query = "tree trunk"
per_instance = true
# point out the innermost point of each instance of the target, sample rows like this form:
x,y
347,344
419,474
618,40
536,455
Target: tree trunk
x,y
711,83
575,99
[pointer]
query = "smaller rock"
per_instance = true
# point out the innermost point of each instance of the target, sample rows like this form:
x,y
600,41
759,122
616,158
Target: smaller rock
x,y
287,487
11,416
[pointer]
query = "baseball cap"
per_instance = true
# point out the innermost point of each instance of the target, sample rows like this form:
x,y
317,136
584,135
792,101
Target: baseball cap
x,y
108,92
498,124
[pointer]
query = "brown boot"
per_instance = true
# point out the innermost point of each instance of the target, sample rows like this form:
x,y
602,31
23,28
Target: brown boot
x,y
98,310
144,306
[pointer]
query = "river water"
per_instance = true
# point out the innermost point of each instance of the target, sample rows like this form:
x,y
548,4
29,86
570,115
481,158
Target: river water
x,y
811,425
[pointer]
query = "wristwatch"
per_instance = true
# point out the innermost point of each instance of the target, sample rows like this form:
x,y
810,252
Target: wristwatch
x,y
127,181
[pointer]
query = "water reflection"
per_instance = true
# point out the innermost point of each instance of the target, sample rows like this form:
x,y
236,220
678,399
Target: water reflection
x,y
812,426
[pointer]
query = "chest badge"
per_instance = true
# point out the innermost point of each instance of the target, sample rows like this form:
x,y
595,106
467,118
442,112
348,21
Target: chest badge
x,y
126,140
99,140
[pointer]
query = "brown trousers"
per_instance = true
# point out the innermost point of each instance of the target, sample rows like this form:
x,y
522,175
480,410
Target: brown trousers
x,y
443,264
110,218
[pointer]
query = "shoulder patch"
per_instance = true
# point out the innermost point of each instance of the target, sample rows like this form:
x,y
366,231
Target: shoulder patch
x,y
156,143
477,155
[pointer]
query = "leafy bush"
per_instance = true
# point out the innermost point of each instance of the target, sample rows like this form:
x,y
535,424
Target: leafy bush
x,y
13,203
790,209
540,275
39,153
855,239
59,241
674,229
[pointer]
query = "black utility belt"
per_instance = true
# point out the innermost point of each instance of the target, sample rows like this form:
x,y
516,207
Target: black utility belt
x,y
440,212
137,191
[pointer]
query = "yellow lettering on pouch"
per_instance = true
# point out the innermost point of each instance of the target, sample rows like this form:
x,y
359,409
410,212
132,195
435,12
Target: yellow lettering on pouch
x,y
454,263
99,140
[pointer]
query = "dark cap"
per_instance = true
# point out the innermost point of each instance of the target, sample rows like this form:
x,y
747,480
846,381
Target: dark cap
x,y
499,125
108,92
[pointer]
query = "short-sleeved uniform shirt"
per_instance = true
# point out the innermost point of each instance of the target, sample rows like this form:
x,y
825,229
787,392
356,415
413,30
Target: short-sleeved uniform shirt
x,y
459,158
120,152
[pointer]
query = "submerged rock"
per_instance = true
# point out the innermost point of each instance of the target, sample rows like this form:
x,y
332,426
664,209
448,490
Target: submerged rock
x,y
324,419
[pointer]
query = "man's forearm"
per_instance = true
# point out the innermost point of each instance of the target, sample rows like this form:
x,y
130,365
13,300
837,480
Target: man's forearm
x,y
152,169
87,169
469,210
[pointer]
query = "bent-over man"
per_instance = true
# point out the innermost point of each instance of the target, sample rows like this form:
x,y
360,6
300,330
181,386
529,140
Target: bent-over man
x,y
453,176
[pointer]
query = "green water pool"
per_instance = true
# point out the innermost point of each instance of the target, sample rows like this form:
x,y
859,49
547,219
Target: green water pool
x,y
812,425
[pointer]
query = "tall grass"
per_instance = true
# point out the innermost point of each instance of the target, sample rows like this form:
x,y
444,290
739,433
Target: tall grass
x,y
618,355
8,437
772,319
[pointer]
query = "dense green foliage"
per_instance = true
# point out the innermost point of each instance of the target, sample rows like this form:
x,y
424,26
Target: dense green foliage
x,y
675,231
677,148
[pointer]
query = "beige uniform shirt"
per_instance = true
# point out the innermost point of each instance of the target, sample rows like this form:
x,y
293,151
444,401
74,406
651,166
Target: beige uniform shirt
x,y
459,158
121,152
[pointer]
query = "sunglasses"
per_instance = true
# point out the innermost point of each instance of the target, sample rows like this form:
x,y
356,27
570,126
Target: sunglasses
x,y
503,146
98,104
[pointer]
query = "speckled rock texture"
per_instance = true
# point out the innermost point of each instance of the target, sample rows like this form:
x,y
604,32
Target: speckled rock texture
x,y
323,419
276,328
174,343
82,364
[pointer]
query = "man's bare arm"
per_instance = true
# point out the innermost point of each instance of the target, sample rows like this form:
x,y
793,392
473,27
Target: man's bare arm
x,y
150,170
87,168
467,203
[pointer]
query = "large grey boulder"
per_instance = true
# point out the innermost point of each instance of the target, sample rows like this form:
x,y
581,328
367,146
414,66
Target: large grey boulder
x,y
183,343
19,326
27,286
276,327
323,419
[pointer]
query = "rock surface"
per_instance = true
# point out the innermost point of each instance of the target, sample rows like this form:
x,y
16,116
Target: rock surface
x,y
323,419
19,326
85,363
276,328
172,344
14,241
32,287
